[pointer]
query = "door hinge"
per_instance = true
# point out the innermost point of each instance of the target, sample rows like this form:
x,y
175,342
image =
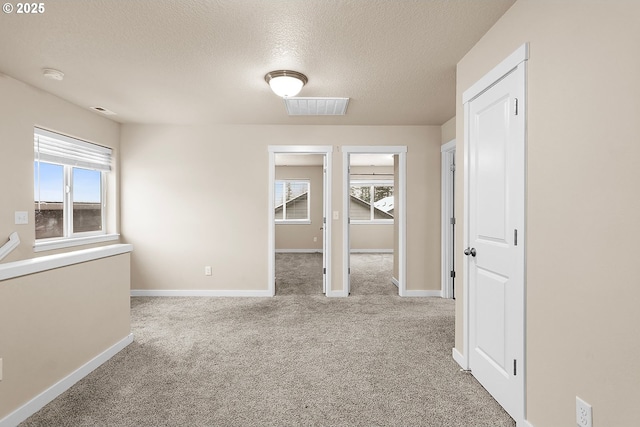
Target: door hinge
x,y
452,167
453,274
349,270
453,221
514,367
516,106
348,220
324,220
324,271
515,237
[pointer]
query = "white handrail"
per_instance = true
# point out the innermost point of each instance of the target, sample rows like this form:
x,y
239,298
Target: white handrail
x,y
14,241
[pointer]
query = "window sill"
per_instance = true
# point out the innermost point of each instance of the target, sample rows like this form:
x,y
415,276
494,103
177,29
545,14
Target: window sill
x,y
370,222
74,241
293,222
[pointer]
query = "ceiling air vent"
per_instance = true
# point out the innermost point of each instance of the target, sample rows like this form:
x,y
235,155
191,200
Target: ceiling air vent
x,y
316,106
103,111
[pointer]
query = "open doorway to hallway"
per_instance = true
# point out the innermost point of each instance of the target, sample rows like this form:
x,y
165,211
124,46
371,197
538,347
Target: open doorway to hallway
x,y
371,224
374,205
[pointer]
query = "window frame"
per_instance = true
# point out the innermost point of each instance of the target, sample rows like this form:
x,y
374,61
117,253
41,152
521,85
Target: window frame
x,y
371,184
69,166
284,220
67,204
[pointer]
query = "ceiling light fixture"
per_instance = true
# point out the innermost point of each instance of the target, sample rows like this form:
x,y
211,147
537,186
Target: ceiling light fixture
x,y
52,74
285,83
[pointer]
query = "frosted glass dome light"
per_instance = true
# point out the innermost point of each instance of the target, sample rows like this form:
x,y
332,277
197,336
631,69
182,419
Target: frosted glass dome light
x,y
285,83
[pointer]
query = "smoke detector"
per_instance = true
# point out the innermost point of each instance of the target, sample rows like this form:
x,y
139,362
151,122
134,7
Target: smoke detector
x,y
104,111
52,74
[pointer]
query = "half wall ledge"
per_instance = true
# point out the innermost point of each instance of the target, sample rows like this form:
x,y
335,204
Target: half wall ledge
x,y
14,269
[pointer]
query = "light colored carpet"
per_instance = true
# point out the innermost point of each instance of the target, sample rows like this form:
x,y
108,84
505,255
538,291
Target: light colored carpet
x,y
301,274
293,360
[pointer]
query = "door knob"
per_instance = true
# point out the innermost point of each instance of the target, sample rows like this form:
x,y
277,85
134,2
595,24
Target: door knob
x,y
470,251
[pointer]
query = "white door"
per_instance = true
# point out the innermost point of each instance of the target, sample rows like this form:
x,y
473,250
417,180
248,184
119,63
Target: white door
x,y
325,214
348,222
448,165
495,245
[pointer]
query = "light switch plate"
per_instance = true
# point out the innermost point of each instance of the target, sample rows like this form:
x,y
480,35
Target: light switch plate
x,y
22,217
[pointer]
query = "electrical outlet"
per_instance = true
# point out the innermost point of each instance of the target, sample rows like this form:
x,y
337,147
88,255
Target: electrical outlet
x,y
0,369
584,415
315,239
207,270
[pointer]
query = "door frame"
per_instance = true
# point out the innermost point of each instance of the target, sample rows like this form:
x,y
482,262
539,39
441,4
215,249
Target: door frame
x,y
400,191
327,151
448,153
518,57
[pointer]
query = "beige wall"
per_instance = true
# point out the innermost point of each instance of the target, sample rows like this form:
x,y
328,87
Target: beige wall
x,y
53,322
187,166
369,237
448,131
582,199
23,107
300,236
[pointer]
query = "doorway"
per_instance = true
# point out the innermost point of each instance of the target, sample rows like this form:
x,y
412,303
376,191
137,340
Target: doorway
x,y
371,224
299,203
365,186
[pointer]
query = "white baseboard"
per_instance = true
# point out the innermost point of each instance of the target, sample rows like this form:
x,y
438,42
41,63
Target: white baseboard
x,y
38,402
198,293
337,294
298,251
459,358
371,251
395,282
420,293
524,423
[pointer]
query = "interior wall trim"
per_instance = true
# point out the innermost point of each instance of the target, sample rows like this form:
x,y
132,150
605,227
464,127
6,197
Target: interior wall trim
x,y
460,359
38,402
422,293
199,293
298,251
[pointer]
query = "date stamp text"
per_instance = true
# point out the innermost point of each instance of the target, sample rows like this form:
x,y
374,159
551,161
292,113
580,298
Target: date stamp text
x,y
23,8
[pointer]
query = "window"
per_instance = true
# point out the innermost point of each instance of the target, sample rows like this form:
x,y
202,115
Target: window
x,y
292,201
371,201
69,186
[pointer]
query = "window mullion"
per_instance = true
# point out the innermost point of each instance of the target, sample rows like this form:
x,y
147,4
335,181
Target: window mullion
x,y
309,201
67,205
103,204
371,199
284,200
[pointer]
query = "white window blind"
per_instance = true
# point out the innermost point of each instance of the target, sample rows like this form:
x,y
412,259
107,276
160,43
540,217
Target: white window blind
x,y
56,148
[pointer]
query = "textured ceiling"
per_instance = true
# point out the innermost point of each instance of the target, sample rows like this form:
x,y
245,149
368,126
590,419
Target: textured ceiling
x,y
190,61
